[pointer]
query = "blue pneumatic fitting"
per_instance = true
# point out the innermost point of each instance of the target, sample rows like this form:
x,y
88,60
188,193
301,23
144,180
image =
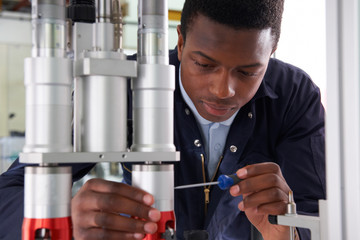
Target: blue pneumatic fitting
x,y
226,181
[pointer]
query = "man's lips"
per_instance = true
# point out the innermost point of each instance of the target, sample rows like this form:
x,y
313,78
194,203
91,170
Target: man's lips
x,y
217,110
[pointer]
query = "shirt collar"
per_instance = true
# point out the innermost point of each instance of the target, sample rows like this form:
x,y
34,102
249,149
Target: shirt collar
x,y
191,105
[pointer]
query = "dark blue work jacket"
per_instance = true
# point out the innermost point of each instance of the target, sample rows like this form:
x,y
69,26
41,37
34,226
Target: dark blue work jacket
x,y
283,123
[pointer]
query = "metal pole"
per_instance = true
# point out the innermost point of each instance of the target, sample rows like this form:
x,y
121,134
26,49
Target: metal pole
x,y
153,89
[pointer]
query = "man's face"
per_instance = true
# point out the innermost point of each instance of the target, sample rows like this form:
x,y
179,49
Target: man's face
x,y
222,68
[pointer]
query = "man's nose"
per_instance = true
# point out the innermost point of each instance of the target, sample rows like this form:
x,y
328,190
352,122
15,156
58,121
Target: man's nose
x,y
221,85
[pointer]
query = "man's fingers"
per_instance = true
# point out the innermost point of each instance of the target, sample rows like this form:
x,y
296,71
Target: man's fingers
x,y
258,169
117,222
258,184
106,202
100,185
104,210
266,197
263,188
274,208
263,182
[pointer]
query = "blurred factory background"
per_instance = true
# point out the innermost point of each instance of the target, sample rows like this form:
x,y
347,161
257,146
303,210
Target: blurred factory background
x,y
302,43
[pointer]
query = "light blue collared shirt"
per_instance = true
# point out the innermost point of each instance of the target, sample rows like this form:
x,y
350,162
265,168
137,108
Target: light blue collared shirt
x,y
214,133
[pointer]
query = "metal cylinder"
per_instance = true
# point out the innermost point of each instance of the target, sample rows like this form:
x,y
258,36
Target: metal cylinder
x,y
157,180
101,110
116,19
103,33
153,32
153,108
48,77
155,83
49,31
108,27
103,10
48,104
103,36
47,192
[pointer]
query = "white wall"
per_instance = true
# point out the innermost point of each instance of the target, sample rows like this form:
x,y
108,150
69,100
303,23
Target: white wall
x,y
303,39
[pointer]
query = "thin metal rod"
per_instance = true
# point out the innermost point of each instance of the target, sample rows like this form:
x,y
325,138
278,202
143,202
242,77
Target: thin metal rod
x,y
196,185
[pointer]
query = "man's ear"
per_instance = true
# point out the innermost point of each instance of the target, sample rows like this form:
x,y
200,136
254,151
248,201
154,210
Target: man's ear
x,y
273,51
180,43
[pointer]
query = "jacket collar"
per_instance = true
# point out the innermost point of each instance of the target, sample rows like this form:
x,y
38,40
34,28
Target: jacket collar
x,y
265,90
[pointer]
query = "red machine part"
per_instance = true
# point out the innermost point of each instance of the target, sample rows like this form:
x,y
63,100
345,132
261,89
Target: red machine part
x,y
60,228
167,220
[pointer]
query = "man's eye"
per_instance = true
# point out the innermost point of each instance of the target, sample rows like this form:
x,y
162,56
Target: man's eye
x,y
247,74
202,65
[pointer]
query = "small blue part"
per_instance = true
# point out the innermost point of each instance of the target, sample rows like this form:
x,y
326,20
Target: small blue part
x,y
225,182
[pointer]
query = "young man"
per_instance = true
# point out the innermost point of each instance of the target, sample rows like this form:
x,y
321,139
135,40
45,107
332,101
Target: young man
x,y
236,110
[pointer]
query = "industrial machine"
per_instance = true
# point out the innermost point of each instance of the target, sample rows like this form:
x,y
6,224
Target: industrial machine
x,y
84,52
80,48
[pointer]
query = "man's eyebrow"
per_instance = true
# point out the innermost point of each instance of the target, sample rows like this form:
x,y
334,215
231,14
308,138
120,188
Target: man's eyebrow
x,y
205,56
240,66
251,65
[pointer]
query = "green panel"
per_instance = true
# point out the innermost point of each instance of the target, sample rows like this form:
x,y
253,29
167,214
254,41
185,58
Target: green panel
x,y
3,91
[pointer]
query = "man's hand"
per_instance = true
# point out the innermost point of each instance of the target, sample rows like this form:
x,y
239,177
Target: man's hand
x,y
265,192
96,210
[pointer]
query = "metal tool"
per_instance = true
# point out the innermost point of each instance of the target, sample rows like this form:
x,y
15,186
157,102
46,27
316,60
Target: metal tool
x,y
291,211
292,219
224,182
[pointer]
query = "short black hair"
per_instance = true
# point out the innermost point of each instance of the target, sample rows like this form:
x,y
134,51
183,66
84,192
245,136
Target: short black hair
x,y
238,14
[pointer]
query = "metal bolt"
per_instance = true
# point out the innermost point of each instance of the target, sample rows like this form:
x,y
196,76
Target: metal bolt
x,y
233,148
197,143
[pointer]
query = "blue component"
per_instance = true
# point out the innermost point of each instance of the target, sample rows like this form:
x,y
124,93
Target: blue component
x,y
226,181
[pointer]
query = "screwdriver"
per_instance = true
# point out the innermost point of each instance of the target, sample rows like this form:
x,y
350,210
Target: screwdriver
x,y
224,182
